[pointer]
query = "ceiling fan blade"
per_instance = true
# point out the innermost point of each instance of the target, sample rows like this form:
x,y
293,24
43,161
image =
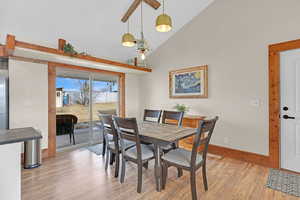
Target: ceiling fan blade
x,y
130,10
153,3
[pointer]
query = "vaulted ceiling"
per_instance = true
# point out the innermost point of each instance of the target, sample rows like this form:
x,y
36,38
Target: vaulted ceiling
x,y
93,26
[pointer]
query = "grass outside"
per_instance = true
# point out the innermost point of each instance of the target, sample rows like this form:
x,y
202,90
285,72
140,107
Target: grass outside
x,y
82,112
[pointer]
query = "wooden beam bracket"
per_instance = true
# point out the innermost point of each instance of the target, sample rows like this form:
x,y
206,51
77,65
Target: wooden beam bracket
x,y
153,3
10,44
61,44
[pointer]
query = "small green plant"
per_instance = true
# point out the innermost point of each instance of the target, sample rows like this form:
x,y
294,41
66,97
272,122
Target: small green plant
x,y
69,49
181,108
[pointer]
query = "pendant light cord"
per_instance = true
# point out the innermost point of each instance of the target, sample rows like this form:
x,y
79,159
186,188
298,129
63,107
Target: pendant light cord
x,y
128,26
163,6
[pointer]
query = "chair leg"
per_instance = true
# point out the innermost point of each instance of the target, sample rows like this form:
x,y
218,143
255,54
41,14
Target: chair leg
x,y
164,175
204,177
106,159
112,158
139,187
193,185
103,148
73,138
70,138
123,170
180,172
117,156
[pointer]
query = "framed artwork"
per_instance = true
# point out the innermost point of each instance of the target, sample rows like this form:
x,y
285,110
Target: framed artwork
x,y
189,83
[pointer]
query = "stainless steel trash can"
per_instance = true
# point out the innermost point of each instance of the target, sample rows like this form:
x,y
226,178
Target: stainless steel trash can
x,y
32,154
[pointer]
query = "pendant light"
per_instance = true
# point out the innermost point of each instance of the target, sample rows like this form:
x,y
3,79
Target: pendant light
x,y
142,46
163,21
128,39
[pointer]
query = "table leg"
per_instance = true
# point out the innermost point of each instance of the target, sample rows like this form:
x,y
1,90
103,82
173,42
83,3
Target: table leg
x,y
158,168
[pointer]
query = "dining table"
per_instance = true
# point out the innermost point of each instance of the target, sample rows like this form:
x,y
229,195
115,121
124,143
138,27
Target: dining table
x,y
160,135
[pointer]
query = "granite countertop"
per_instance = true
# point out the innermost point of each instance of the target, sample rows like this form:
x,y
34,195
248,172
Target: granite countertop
x,y
18,135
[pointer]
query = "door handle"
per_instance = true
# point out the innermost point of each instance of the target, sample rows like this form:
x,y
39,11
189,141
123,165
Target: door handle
x,y
288,117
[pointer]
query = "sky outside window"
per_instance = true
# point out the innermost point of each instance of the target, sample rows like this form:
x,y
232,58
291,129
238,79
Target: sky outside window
x,y
72,84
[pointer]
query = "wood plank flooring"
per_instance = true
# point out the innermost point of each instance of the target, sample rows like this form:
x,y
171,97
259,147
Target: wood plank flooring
x,y
80,175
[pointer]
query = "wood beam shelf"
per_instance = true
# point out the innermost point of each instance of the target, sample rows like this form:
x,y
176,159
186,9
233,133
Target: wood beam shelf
x,y
17,48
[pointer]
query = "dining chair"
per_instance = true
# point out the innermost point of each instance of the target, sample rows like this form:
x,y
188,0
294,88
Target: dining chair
x,y
141,154
172,117
112,141
101,126
191,160
65,124
152,115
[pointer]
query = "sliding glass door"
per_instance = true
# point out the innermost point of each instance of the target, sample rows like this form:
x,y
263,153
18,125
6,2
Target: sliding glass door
x,y
104,96
84,95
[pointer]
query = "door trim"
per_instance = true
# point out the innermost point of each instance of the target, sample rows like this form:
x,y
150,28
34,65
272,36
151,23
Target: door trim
x,y
51,110
274,98
52,98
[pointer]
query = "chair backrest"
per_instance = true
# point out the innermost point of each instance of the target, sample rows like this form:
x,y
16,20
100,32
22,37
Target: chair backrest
x,y
67,117
108,127
127,129
152,115
172,117
65,123
111,112
202,139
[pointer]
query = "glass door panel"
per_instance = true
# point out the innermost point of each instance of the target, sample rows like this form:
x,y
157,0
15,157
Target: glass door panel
x,y
104,100
84,95
73,98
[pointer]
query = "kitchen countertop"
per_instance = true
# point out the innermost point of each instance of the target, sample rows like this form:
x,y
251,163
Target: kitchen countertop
x,y
18,135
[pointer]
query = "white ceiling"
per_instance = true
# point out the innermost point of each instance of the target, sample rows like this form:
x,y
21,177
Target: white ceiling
x,y
93,26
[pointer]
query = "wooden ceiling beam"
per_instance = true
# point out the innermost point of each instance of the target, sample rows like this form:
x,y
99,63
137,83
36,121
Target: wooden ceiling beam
x,y
130,10
153,3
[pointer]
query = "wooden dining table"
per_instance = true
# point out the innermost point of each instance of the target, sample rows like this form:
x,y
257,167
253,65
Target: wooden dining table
x,y
160,135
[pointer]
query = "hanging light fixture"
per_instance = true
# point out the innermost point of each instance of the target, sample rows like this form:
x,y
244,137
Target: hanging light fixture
x,y
128,39
142,46
163,21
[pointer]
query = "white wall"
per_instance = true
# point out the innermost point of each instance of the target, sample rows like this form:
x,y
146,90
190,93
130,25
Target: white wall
x,y
132,95
232,37
28,96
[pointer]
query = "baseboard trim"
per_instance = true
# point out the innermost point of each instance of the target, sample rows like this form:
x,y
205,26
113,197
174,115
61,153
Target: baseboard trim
x,y
222,151
240,155
45,153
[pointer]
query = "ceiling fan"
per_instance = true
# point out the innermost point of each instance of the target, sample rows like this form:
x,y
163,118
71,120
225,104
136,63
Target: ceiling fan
x,y
153,3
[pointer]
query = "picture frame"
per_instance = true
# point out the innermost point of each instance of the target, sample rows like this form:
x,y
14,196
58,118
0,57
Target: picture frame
x,y
189,82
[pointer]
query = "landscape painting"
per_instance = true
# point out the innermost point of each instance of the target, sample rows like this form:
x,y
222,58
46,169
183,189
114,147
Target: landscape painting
x,y
188,83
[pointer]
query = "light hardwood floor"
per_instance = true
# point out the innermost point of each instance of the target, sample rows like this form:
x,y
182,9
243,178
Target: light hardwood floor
x,y
80,175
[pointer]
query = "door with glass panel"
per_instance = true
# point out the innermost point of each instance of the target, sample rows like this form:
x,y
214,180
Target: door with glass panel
x,y
83,95
104,98
72,108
